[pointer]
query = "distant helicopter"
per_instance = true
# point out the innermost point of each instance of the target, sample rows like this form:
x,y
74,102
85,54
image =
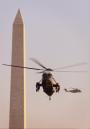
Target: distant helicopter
x,y
73,90
48,83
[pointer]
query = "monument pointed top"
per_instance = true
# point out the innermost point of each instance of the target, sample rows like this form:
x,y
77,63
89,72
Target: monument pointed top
x,y
18,18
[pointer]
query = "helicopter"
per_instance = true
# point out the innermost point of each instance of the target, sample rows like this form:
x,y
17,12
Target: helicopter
x,y
48,82
73,90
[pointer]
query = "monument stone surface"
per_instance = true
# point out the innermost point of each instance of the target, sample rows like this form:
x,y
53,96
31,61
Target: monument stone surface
x,y
17,91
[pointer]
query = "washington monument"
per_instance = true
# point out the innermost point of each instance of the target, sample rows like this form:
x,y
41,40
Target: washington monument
x,y
17,118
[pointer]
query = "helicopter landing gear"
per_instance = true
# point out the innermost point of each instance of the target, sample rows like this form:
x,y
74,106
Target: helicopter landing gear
x,y
38,86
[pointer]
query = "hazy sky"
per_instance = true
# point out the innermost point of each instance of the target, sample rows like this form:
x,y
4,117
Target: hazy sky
x,y
57,34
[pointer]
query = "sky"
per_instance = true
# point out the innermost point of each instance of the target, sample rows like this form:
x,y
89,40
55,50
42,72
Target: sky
x,y
57,33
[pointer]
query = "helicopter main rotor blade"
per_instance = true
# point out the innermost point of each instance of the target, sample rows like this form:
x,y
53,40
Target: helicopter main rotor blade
x,y
37,62
72,71
69,66
16,66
